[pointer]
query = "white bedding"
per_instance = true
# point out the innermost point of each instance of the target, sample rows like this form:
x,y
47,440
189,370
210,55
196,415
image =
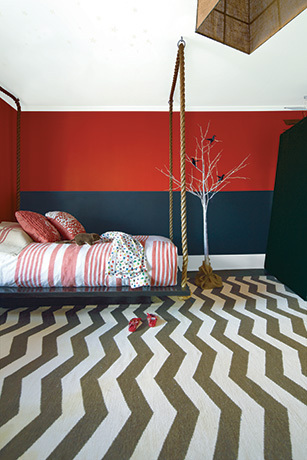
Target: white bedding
x,y
67,265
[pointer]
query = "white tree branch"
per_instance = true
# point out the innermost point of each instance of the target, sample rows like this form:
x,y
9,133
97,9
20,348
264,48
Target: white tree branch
x,y
209,182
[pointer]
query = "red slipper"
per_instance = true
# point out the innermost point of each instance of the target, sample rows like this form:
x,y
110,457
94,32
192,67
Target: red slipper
x,y
152,319
134,323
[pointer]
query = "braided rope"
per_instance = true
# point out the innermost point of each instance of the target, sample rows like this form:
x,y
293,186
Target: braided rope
x,y
171,97
174,78
17,102
184,238
179,66
171,206
18,161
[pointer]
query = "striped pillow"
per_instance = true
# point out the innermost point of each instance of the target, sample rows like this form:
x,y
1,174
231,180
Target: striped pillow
x,y
12,238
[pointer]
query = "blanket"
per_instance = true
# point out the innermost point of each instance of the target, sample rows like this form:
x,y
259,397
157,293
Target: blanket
x,y
127,259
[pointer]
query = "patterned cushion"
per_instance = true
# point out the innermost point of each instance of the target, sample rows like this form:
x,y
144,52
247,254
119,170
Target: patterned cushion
x,y
37,226
67,225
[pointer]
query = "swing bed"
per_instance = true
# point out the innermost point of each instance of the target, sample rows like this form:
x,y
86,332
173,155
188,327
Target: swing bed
x,y
15,296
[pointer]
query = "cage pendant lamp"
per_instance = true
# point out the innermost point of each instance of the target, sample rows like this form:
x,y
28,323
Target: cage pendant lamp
x,y
245,24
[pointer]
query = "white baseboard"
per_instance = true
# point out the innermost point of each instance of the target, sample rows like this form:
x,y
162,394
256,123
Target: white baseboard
x,y
227,262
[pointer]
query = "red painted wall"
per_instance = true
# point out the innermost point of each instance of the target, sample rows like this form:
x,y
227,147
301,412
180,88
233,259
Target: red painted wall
x,y
244,133
120,151
85,151
8,120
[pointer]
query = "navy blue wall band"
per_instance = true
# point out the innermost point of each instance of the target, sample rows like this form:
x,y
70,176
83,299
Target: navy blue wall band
x,y
238,221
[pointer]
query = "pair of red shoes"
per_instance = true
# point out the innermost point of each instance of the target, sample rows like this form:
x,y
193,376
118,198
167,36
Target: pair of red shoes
x,y
134,323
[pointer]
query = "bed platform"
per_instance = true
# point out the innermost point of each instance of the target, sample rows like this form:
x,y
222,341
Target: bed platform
x,y
123,269
34,297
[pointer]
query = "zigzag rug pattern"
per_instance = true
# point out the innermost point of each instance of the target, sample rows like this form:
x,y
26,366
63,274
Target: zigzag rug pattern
x,y
223,375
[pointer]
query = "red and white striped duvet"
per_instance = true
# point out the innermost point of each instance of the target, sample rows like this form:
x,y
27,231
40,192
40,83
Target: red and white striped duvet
x,y
59,265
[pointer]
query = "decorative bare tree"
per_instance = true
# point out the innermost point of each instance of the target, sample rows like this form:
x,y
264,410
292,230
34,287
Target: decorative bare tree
x,y
205,181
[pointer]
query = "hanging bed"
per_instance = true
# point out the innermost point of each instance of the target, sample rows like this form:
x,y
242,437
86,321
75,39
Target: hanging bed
x,y
38,268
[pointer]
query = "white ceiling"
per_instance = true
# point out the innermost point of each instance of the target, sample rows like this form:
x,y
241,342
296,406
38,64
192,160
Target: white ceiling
x,y
120,55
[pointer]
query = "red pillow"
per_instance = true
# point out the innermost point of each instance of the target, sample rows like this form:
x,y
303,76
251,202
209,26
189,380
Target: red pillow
x,y
37,226
67,225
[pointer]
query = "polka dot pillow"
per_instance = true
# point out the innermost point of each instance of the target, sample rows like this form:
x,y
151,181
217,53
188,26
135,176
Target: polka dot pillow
x,y
37,226
66,224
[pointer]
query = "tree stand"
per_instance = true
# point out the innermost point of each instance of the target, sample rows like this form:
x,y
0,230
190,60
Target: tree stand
x,y
205,278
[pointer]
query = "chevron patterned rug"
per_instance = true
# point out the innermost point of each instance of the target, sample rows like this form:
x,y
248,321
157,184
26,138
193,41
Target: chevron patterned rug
x,y
223,376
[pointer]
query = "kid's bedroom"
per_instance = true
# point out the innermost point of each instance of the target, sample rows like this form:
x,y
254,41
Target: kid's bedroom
x,y
153,222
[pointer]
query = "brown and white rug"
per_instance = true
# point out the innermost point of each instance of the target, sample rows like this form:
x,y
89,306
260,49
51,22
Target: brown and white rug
x,y
223,376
